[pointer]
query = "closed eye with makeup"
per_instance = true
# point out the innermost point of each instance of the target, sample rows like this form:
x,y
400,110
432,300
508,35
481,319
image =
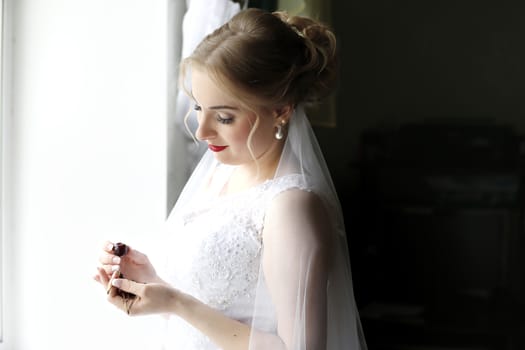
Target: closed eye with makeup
x,y
220,116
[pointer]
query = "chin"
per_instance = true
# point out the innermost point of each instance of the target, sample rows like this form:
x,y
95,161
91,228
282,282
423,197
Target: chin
x,y
221,158
228,160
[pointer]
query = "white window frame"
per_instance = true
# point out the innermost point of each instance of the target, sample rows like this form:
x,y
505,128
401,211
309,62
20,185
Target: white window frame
x,y
2,253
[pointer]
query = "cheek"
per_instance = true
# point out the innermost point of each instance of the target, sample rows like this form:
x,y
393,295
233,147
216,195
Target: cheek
x,y
262,139
239,137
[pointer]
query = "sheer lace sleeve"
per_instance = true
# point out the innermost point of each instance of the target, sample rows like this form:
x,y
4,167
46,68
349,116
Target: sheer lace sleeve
x,y
295,266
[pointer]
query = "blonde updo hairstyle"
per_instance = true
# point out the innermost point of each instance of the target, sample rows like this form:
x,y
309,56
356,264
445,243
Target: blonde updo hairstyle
x,y
268,59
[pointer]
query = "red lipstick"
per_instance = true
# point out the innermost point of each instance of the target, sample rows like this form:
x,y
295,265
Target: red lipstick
x,y
216,148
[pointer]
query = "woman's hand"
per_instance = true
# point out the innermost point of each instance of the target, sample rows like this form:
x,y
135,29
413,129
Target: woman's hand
x,y
150,298
134,265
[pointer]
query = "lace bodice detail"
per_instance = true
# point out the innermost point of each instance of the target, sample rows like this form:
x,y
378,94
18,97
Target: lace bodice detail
x,y
215,250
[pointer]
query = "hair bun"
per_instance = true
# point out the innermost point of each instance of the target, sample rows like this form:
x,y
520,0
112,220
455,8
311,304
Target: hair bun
x,y
320,63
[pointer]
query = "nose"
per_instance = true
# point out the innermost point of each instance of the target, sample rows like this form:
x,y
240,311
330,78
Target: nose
x,y
205,130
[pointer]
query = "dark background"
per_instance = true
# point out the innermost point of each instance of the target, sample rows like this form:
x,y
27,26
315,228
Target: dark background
x,y
433,92
414,60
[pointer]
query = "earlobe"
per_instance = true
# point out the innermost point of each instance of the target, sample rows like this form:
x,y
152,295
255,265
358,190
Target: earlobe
x,y
283,113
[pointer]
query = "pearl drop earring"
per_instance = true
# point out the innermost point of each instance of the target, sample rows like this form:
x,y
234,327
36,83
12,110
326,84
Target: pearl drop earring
x,y
279,134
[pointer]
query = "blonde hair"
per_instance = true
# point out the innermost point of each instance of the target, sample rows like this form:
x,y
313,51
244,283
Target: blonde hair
x,y
268,60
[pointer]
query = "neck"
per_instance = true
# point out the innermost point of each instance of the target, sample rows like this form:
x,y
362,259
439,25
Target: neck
x,y
265,166
255,172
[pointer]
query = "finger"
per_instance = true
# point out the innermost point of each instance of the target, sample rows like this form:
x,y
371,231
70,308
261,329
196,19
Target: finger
x,y
123,303
109,259
109,269
101,277
110,289
107,246
128,286
136,256
112,295
129,305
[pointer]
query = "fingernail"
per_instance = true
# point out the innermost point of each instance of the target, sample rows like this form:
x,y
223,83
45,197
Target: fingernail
x,y
115,267
116,260
109,246
117,283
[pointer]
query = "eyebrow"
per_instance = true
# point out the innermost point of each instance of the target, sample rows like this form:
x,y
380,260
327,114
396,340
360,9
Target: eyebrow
x,y
218,106
223,107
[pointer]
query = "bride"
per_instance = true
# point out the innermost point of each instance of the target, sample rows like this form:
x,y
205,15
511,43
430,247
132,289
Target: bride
x,y
257,247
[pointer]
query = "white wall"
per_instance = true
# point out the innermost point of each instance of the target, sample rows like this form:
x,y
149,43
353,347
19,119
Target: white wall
x,y
86,160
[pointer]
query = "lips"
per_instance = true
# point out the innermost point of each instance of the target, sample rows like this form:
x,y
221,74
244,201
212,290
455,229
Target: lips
x,y
215,148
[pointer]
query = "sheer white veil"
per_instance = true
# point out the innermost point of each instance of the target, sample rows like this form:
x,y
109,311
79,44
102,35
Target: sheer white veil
x,y
302,155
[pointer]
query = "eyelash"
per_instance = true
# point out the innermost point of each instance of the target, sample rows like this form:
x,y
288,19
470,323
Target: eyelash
x,y
224,120
219,118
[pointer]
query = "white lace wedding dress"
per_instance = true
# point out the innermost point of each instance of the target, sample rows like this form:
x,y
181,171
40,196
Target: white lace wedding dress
x,y
215,250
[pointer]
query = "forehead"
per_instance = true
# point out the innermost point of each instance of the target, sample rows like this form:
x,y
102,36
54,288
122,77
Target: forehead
x,y
207,91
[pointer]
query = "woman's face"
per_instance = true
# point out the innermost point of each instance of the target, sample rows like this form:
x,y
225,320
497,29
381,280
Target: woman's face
x,y
226,125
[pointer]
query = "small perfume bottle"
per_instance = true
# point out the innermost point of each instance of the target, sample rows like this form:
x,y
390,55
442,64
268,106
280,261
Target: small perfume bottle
x,y
120,249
